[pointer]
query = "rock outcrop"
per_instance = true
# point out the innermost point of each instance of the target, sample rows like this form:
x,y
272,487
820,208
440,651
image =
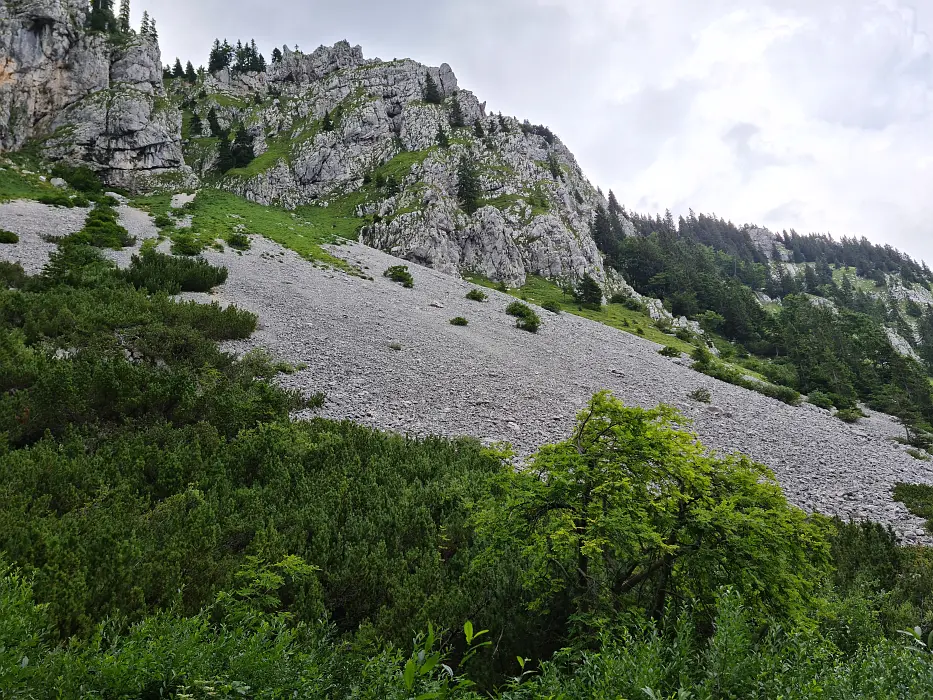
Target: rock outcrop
x,y
86,97
332,124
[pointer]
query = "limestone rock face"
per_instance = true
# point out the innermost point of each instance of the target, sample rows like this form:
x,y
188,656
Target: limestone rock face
x,y
332,124
88,98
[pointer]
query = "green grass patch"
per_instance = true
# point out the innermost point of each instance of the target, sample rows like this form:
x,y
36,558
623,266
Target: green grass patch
x,y
919,500
278,151
400,166
16,185
219,214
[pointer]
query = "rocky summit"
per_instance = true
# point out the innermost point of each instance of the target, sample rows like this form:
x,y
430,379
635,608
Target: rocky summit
x,y
86,97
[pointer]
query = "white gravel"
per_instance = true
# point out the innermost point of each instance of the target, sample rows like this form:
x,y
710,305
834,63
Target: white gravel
x,y
497,383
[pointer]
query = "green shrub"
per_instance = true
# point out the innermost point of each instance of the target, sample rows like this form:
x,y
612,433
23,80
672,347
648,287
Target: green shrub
x,y
821,400
56,199
918,498
702,395
8,237
12,275
101,230
527,319
163,221
156,272
80,201
684,334
239,241
669,351
640,330
477,295
782,393
458,321
551,306
81,178
186,244
400,274
849,415
628,301
919,454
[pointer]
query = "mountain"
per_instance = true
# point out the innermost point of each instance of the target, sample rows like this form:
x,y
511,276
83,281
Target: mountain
x,y
86,97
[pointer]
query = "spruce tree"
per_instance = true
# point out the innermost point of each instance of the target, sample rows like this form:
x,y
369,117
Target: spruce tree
x,y
431,93
125,16
242,150
468,185
276,56
478,129
144,25
588,293
442,139
216,130
328,123
178,71
190,75
153,32
553,165
225,160
456,114
197,126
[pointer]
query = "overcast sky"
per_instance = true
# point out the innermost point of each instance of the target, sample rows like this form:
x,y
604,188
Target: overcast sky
x,y
808,114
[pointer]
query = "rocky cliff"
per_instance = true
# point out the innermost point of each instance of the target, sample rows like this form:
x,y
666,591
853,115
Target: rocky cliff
x,y
85,96
332,124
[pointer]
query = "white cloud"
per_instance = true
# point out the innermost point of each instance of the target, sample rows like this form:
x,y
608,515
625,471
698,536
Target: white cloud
x,y
811,114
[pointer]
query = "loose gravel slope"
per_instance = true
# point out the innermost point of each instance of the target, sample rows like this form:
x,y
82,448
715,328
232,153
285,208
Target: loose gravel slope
x,y
497,383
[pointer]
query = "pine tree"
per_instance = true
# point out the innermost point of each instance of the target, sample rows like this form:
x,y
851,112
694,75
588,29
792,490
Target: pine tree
x,y
100,18
503,124
602,231
166,73
276,56
125,16
197,126
178,71
588,292
144,26
153,32
431,94
225,160
553,165
214,124
442,139
478,130
468,185
456,114
190,75
242,150
328,123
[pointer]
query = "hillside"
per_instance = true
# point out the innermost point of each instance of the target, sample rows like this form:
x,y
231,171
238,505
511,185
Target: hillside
x,y
317,380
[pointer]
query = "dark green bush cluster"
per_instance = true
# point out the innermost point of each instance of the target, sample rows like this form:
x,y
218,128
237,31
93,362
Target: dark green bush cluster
x,y
551,306
669,351
627,300
156,272
919,500
821,400
705,362
8,237
459,321
12,275
102,230
527,319
477,295
60,199
400,274
163,221
186,244
701,395
850,415
81,178
239,241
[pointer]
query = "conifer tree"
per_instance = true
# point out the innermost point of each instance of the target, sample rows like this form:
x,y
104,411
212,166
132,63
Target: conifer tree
x,y
242,150
225,160
125,16
478,130
197,126
328,123
214,124
442,139
588,292
178,71
190,75
431,93
553,165
144,26
276,56
456,114
153,32
503,124
468,185
166,73
100,18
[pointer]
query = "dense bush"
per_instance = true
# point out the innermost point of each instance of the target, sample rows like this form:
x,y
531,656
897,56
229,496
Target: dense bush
x,y
459,321
551,306
400,274
527,319
669,351
705,362
164,273
12,275
702,395
821,400
102,230
239,241
163,221
81,178
918,498
186,244
56,199
850,415
8,237
477,295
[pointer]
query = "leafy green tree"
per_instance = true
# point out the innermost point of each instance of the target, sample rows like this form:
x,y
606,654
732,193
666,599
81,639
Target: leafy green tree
x,y
588,292
631,511
432,95
469,188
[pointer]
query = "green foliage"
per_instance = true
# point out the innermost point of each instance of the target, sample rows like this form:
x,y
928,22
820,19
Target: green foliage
x,y
477,295
705,362
81,178
551,306
12,275
239,241
187,244
469,188
821,400
400,274
669,351
8,237
627,300
163,221
588,292
528,320
919,500
432,95
102,230
56,199
701,395
459,321
626,513
156,272
850,415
